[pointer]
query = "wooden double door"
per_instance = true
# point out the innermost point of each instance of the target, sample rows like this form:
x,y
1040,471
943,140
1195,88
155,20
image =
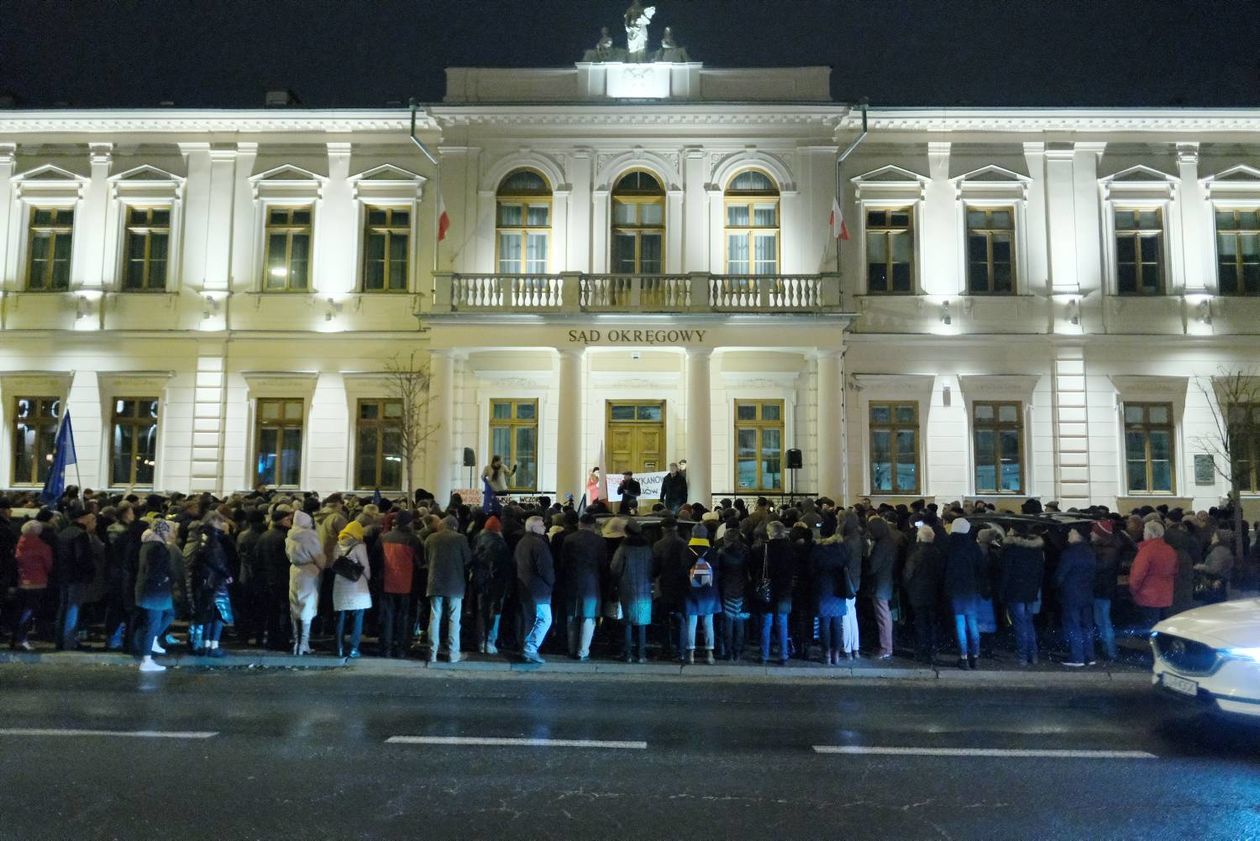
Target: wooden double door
x,y
635,432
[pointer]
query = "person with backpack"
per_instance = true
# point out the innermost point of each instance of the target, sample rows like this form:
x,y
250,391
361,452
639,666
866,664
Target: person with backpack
x,y
154,592
352,595
700,600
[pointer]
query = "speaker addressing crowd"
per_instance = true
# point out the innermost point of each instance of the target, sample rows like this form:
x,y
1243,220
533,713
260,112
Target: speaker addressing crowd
x,y
802,579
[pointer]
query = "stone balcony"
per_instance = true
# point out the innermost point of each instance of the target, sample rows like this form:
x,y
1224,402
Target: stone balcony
x,y
573,292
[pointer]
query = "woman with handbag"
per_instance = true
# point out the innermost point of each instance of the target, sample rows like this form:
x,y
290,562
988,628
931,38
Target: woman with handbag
x,y
855,552
154,581
352,594
306,565
778,567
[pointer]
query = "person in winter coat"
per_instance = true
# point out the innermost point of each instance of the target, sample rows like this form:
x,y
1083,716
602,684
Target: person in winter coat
x,y
213,573
306,564
1075,579
732,575
701,601
963,566
492,575
780,563
674,489
252,625
449,557
1107,549
1152,577
402,558
828,558
1214,572
922,581
854,554
879,581
583,556
1023,565
1182,541
801,621
535,575
34,565
118,584
75,567
153,595
631,570
351,599
671,561
272,564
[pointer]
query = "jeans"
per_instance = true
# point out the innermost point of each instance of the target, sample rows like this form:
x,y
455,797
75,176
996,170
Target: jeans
x,y
68,616
395,612
356,631
968,631
780,623
155,624
1025,634
488,611
849,623
1106,632
538,630
1078,628
690,639
831,630
733,631
633,632
581,631
452,605
884,623
28,602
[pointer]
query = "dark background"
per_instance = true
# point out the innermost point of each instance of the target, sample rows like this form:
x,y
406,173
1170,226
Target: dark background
x,y
102,53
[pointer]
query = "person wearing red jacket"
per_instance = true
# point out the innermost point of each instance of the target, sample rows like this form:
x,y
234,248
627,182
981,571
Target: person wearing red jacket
x,y
34,563
1152,577
403,557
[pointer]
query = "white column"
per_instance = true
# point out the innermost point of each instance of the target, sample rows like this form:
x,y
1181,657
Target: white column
x,y
940,227
1035,238
338,223
699,427
578,241
830,451
569,425
8,161
442,417
1087,213
1061,220
1196,230
89,223
696,243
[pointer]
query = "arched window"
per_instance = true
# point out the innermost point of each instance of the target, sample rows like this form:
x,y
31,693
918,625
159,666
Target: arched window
x,y
523,223
638,224
752,224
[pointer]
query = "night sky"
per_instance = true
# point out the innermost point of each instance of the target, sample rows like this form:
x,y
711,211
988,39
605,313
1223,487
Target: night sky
x,y
103,53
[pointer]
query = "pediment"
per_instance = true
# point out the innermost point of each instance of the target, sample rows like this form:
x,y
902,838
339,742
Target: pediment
x,y
388,172
50,173
1240,174
992,174
147,172
287,173
890,174
1139,174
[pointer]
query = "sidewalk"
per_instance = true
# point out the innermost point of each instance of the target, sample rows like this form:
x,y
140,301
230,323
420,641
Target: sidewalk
x,y
993,670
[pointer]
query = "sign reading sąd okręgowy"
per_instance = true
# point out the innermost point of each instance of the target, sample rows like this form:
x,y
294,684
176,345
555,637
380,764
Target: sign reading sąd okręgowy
x,y
638,336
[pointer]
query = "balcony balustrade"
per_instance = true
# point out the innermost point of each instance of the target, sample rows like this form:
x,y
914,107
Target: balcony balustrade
x,y
573,292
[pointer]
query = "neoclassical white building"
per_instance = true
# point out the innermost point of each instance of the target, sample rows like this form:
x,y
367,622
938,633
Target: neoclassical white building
x,y
639,260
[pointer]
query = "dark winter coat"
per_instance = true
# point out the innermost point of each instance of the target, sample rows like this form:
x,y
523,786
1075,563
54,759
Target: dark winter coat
x,y
271,561
1075,574
1107,565
535,568
1187,549
879,565
732,570
828,559
449,556
76,557
963,564
582,557
631,569
671,561
493,569
1023,569
922,576
674,490
781,564
154,576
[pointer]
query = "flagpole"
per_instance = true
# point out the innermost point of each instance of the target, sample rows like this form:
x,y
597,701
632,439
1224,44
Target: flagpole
x,y
863,103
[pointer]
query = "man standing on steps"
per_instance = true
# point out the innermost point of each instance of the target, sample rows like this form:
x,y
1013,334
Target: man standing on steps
x,y
674,489
629,490
536,575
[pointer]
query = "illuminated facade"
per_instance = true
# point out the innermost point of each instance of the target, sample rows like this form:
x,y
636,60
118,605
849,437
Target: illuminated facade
x,y
638,257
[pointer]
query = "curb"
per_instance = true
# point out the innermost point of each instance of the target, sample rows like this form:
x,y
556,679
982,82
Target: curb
x,y
563,668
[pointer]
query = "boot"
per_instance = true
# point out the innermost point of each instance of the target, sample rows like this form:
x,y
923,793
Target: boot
x,y
971,662
195,639
691,656
304,646
708,656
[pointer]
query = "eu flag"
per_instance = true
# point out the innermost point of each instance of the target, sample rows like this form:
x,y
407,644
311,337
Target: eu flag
x,y
63,457
489,500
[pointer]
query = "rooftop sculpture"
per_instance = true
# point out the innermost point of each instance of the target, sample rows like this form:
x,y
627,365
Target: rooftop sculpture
x,y
636,21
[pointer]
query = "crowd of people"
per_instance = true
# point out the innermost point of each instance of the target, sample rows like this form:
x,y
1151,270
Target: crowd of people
x,y
804,579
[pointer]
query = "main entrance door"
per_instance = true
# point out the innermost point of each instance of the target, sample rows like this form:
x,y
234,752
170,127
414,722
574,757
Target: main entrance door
x,y
635,435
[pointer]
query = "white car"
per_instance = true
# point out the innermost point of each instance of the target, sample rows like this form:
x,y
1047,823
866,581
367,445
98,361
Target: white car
x,y
1212,654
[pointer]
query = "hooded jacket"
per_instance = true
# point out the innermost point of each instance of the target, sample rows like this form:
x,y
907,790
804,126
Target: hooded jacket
x,y
880,562
34,558
922,575
1023,569
302,545
1075,574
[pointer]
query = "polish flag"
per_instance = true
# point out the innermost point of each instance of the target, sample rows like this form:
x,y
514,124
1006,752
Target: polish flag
x,y
839,230
444,220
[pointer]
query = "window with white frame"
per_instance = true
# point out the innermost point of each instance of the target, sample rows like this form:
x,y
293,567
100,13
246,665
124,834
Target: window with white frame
x,y
990,250
1238,251
287,259
523,223
48,249
890,250
752,224
146,249
1139,238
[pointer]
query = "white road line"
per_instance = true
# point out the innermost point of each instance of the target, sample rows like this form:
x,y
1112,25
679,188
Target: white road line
x,y
993,752
131,734
529,743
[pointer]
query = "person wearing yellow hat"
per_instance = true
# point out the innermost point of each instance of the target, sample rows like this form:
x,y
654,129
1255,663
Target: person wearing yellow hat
x,y
351,593
700,600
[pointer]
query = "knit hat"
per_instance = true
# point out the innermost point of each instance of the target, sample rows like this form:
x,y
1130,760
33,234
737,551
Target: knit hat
x,y
352,530
1103,528
960,526
302,520
403,518
161,528
493,524
698,540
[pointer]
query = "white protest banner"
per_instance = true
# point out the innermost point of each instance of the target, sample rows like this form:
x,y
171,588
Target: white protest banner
x,y
649,482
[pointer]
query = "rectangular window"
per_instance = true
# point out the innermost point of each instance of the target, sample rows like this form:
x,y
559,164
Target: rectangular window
x,y
890,251
378,445
998,433
514,436
147,243
990,250
1139,251
894,448
48,252
759,445
278,442
1148,447
1238,251
35,422
1244,444
386,248
133,442
287,263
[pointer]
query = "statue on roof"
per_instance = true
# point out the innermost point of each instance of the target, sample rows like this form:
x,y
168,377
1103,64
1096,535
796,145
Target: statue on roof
x,y
604,46
637,19
670,51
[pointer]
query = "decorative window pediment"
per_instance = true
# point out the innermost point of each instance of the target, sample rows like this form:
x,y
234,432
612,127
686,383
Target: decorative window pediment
x,y
49,184
147,182
991,182
889,182
288,181
388,182
1138,182
1237,182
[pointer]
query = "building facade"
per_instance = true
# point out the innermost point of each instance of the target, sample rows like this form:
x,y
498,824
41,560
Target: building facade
x,y
634,260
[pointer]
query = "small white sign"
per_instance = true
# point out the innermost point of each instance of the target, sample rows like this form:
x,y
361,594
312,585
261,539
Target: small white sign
x,y
649,482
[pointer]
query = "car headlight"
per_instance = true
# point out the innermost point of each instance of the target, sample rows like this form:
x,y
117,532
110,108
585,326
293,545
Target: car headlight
x,y
1252,653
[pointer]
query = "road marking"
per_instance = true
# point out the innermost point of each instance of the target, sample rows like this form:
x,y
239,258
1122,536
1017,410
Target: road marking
x,y
132,734
994,752
530,743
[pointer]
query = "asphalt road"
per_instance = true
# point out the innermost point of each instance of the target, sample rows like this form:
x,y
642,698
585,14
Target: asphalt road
x,y
304,754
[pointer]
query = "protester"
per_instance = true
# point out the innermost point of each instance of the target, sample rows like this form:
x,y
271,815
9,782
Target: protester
x,y
352,596
34,566
449,556
701,601
732,576
1023,565
306,565
962,570
1152,577
631,570
583,556
401,560
154,580
535,573
1075,580
922,581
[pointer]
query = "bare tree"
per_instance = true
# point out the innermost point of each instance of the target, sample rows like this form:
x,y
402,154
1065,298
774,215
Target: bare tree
x,y
407,381
1233,397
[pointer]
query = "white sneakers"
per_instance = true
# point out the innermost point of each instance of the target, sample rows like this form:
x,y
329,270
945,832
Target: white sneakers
x,y
157,649
147,665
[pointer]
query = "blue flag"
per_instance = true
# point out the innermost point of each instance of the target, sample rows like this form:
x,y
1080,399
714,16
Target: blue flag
x,y
377,499
489,500
63,457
